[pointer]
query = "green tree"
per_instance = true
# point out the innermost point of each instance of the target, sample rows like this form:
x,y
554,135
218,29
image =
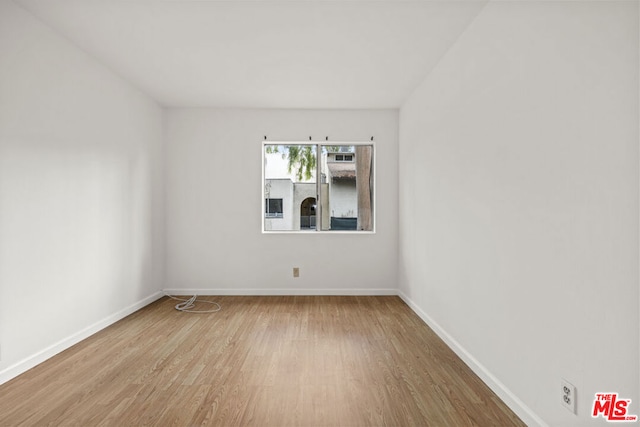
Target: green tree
x,y
300,158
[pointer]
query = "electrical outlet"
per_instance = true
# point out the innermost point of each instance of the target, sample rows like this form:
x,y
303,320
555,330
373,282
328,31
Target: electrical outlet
x,y
568,395
296,272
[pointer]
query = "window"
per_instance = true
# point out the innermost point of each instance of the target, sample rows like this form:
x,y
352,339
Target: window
x,y
273,208
318,187
342,158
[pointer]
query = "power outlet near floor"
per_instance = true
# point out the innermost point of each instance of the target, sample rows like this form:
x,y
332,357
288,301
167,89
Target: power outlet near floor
x,y
296,272
568,395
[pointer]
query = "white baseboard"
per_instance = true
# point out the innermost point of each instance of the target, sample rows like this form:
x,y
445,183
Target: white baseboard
x,y
31,361
280,292
516,405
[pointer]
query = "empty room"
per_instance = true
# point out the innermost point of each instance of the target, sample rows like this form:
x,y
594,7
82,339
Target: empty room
x,y
390,212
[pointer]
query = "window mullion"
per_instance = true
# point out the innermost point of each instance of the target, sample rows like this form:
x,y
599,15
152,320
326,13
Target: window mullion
x,y
318,187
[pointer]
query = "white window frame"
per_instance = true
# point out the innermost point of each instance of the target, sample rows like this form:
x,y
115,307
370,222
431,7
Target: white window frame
x,y
319,146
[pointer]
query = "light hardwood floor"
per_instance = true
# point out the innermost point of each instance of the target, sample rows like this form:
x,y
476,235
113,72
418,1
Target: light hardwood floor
x,y
263,361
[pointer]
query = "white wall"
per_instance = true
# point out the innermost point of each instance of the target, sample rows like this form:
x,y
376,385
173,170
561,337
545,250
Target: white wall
x,y
80,195
519,202
214,191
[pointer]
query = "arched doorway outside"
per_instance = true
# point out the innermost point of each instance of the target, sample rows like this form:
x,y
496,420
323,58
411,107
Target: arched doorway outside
x,y
308,213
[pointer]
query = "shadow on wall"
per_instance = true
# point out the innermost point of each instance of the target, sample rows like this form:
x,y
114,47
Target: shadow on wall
x,y
75,227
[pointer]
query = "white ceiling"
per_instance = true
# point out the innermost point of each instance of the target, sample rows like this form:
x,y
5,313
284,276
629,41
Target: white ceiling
x,y
264,54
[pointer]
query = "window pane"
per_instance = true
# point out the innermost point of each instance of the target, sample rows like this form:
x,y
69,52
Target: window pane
x,y
290,178
345,187
347,197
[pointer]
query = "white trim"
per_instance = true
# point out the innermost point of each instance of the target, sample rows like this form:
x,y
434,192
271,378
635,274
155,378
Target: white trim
x,y
281,292
39,357
322,232
525,413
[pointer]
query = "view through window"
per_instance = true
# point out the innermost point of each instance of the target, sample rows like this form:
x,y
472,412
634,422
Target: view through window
x,y
320,187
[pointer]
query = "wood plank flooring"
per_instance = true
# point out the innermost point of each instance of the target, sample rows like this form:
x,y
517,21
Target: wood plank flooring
x,y
260,361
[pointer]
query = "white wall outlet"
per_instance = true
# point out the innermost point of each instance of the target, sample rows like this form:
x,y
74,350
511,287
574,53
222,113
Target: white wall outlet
x,y
568,395
296,272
